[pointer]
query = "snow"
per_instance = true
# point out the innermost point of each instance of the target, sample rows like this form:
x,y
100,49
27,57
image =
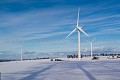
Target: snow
x,y
61,70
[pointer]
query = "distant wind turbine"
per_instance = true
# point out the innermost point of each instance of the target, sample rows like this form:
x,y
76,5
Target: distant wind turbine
x,y
21,54
91,45
79,28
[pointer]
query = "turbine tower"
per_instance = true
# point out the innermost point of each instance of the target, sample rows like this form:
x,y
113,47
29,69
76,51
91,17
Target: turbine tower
x,y
79,28
21,54
91,47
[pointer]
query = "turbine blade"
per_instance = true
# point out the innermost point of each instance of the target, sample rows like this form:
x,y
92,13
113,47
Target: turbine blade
x,y
82,31
93,40
78,17
71,32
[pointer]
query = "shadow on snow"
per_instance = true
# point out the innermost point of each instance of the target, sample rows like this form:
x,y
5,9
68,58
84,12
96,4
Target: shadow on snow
x,y
33,75
88,74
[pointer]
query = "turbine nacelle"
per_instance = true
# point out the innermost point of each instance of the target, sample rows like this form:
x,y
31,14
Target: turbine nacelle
x,y
78,26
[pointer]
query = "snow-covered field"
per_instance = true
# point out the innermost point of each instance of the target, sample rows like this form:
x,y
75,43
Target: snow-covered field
x,y
64,70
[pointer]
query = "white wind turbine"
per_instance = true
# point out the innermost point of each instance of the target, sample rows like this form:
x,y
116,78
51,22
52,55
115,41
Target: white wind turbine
x,y
91,47
79,28
21,54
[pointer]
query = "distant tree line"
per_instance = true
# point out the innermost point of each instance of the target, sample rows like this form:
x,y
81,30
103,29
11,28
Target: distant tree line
x,y
72,56
76,56
109,54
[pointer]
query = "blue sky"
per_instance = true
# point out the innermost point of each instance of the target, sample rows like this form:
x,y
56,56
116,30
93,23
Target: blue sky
x,y
40,27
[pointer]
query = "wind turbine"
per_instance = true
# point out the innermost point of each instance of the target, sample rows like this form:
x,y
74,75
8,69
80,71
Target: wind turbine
x,y
21,54
79,28
91,45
